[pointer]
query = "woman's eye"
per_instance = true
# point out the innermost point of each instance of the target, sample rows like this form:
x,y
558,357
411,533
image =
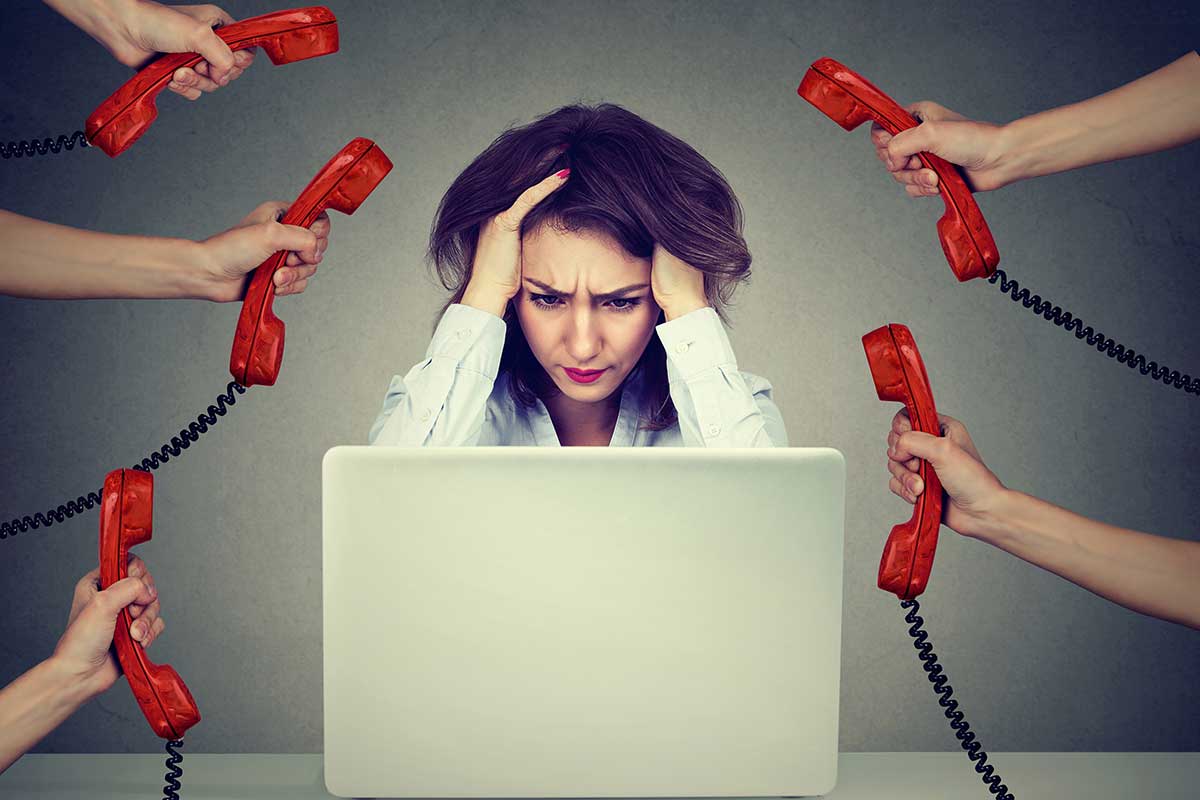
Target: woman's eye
x,y
544,300
625,304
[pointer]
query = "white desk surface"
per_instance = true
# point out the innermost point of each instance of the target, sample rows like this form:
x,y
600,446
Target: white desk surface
x,y
894,776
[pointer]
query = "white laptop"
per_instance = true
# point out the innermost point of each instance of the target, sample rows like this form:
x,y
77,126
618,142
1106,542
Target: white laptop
x,y
582,622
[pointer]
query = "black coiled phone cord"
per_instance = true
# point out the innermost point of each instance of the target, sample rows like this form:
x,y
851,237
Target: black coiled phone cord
x,y
39,147
178,444
1069,322
174,771
942,688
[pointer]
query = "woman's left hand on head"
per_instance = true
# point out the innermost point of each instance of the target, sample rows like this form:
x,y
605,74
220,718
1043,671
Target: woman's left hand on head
x,y
678,287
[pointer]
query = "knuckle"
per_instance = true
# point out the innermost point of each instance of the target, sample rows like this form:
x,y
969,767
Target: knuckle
x,y
276,234
98,604
198,32
507,221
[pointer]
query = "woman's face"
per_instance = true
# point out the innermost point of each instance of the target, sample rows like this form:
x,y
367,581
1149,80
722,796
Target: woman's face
x,y
586,309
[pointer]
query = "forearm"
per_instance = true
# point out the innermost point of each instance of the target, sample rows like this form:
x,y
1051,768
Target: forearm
x,y
442,401
715,403
100,19
1150,574
1155,112
35,704
43,260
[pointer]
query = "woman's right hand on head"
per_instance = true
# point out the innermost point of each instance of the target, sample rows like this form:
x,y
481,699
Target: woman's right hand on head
x,y
977,147
974,491
496,269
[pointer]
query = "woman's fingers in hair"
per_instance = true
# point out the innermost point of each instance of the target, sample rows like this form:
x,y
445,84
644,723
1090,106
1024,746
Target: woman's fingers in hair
x,y
510,219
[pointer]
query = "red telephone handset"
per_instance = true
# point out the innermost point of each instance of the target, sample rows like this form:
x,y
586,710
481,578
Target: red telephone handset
x,y
286,36
126,515
849,100
342,184
899,375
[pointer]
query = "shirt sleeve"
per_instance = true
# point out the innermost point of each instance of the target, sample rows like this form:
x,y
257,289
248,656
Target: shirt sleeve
x,y
442,400
718,405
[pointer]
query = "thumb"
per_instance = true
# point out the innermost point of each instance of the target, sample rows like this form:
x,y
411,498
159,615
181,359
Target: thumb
x,y
918,444
292,237
218,55
925,138
121,594
243,249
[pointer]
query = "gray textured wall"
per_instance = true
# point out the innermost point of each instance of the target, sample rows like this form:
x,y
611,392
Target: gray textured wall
x,y
839,250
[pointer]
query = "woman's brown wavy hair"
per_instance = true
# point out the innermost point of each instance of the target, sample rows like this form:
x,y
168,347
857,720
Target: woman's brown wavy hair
x,y
629,179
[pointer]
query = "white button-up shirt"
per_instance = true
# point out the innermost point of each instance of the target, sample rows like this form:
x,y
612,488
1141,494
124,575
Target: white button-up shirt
x,y
455,397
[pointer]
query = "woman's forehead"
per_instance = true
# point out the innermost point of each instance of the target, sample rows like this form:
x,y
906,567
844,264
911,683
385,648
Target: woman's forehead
x,y
589,261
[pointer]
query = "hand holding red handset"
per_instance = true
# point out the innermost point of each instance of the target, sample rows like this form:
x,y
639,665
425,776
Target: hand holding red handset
x,y
342,184
286,36
899,375
126,518
849,100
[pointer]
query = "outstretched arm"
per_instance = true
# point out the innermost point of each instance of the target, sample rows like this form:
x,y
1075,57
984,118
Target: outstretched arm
x,y
1155,112
43,260
1150,574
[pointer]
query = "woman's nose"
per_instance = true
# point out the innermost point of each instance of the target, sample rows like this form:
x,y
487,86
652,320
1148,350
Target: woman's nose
x,y
583,337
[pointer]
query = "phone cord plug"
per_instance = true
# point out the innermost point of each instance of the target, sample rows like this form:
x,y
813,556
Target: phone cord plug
x,y
174,771
942,688
1069,322
178,444
39,147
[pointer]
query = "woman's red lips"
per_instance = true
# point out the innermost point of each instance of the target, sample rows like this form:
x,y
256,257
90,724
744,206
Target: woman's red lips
x,y
583,375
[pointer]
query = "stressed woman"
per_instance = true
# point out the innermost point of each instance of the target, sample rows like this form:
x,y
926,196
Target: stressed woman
x,y
568,244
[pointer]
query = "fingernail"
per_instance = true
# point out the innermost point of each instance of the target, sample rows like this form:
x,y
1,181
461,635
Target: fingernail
x,y
562,173
138,630
916,486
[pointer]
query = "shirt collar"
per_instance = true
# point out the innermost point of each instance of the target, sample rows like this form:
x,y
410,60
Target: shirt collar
x,y
624,434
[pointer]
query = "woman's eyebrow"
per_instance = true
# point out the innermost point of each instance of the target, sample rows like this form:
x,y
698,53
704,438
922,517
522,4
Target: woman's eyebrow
x,y
599,297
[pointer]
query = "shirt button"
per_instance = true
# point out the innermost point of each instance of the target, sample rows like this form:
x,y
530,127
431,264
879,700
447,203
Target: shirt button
x,y
713,430
425,415
681,348
464,333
